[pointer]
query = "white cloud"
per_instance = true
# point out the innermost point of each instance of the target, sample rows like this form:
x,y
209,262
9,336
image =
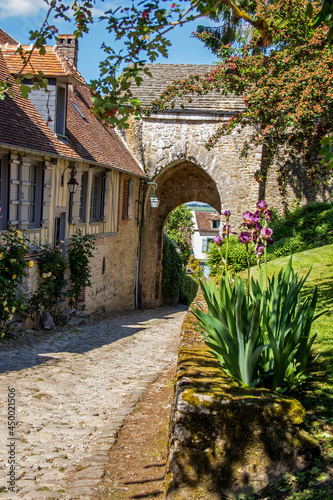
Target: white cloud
x,y
20,8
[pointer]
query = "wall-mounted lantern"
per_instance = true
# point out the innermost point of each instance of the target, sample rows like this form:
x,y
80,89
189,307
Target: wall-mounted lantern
x,y
154,201
72,184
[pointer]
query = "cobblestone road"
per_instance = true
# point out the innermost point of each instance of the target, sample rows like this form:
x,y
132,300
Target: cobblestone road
x,y
72,392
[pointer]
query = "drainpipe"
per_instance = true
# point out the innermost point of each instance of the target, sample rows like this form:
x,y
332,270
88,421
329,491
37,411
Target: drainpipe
x,y
139,220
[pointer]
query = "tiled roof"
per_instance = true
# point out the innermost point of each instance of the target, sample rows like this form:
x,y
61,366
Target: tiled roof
x,y
204,220
52,63
91,139
164,74
88,140
5,38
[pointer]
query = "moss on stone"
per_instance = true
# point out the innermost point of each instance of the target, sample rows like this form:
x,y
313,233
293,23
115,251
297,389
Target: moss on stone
x,y
226,438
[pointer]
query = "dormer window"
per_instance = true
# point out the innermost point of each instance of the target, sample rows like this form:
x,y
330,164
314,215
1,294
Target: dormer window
x,y
215,224
61,106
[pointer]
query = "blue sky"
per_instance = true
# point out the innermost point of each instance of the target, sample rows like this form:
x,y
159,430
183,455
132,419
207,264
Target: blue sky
x,y
18,17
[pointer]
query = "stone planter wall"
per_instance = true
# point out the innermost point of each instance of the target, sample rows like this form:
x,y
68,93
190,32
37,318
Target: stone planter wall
x,y
227,440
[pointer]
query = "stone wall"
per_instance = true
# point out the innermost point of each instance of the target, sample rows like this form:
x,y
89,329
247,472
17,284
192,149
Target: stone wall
x,y
113,267
226,440
163,140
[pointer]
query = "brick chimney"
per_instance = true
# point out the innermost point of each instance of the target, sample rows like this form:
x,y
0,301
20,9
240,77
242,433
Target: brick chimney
x,y
68,45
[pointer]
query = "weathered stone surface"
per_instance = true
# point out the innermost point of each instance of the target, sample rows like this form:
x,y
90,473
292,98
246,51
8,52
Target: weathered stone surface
x,y
227,440
73,390
48,323
76,322
67,315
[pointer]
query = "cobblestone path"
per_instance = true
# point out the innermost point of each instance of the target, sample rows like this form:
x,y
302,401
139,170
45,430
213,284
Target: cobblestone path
x,y
72,392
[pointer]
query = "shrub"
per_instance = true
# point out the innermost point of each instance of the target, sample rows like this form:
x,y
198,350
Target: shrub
x,y
79,252
172,271
305,228
188,291
13,267
51,282
291,235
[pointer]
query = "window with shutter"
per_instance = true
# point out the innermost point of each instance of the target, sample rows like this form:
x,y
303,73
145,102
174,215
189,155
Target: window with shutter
x,y
3,191
97,197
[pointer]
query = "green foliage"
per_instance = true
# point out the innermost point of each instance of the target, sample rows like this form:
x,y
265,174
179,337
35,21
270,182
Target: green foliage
x,y
327,152
231,329
13,268
195,268
285,100
189,289
79,252
261,338
172,271
305,227
179,227
237,257
51,282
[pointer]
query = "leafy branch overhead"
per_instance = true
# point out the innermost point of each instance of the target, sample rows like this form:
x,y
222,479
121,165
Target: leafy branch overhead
x,y
143,29
287,91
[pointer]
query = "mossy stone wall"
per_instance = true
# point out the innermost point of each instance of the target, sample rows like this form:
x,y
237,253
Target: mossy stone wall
x,y
226,440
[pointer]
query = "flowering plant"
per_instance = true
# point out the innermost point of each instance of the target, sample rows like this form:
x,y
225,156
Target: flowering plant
x,y
51,282
79,252
257,234
13,269
260,337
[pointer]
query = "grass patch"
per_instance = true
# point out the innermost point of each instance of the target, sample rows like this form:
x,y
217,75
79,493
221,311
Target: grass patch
x,y
317,394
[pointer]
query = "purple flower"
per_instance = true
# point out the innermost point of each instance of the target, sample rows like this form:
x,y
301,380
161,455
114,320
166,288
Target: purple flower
x,y
244,237
226,213
218,240
266,233
247,217
226,229
268,214
261,205
7,249
270,241
260,250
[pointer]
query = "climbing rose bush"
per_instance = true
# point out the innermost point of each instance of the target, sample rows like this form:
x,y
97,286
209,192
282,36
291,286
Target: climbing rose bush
x,y
13,269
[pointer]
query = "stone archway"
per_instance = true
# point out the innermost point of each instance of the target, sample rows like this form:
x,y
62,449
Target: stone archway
x,y
178,183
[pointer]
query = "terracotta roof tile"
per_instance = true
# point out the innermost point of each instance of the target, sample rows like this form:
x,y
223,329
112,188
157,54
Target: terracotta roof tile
x,y
5,38
204,220
88,139
52,63
91,139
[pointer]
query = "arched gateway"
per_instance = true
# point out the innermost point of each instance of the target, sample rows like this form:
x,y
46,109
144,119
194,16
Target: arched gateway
x,y
171,146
